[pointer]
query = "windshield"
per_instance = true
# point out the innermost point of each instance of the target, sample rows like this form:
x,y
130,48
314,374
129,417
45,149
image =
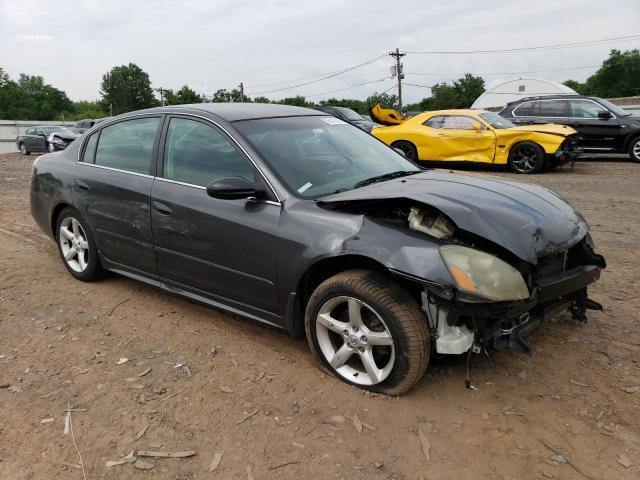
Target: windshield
x,y
63,130
349,114
317,156
496,120
617,111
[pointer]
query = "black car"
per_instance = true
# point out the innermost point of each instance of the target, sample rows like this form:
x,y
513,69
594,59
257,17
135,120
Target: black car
x,y
45,139
350,116
603,126
284,216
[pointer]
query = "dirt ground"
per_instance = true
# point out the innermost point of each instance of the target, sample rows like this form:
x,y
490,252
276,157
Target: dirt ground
x,y
200,380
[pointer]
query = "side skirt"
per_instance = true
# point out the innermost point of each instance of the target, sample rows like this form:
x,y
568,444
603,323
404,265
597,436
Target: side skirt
x,y
220,303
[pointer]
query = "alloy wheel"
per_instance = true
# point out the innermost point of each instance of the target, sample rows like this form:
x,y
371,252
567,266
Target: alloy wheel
x,y
355,341
23,149
524,158
636,150
74,244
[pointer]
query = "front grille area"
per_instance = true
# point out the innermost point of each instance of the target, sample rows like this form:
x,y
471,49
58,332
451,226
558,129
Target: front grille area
x,y
551,264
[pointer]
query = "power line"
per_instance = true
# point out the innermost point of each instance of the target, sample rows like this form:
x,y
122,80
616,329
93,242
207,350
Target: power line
x,y
335,74
527,49
347,88
503,73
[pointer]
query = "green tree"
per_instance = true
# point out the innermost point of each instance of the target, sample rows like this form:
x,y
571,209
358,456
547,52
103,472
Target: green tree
x,y
30,98
126,88
183,96
297,101
384,99
575,85
619,76
87,109
261,100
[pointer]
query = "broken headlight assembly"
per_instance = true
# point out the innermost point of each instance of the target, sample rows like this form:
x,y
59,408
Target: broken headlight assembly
x,y
482,275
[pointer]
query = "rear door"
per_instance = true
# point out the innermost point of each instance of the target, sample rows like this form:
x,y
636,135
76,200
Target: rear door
x,y
597,133
113,188
457,138
223,248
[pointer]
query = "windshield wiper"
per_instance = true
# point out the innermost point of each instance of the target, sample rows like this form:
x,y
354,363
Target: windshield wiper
x,y
384,177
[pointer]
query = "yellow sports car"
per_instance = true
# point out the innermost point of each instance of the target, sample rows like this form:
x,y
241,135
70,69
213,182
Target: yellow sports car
x,y
482,137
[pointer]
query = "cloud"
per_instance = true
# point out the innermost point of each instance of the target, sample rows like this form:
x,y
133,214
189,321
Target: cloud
x,y
218,44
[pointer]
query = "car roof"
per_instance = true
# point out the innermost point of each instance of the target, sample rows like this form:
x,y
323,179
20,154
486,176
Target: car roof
x,y
552,97
233,112
452,111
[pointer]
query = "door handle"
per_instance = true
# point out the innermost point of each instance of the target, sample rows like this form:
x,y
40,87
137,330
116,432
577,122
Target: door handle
x,y
162,209
82,185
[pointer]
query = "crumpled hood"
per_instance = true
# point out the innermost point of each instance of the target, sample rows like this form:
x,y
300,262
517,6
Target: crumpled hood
x,y
528,220
550,128
64,136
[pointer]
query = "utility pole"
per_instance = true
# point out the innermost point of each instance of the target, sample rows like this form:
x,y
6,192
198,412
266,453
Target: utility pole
x,y
161,91
399,73
241,92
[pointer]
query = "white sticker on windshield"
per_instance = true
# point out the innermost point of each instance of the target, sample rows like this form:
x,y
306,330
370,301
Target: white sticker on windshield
x,y
333,121
305,187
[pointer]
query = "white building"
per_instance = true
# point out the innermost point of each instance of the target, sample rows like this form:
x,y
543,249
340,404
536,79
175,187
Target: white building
x,y
501,92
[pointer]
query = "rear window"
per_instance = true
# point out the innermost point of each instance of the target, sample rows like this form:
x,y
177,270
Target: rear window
x,y
128,145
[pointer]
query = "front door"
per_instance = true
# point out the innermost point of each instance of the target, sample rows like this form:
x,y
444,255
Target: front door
x,y
597,133
113,187
38,141
226,249
458,138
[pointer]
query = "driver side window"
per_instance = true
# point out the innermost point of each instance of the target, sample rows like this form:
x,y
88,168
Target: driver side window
x,y
196,153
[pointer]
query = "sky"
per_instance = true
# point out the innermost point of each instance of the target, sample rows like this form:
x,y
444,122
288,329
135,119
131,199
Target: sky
x,y
213,44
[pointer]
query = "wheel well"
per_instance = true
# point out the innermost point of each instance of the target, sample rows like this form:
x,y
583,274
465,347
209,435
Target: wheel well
x,y
54,217
520,142
328,267
633,137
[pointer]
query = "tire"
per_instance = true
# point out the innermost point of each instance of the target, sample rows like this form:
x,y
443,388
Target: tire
x,y
634,149
408,148
23,149
390,331
83,263
527,158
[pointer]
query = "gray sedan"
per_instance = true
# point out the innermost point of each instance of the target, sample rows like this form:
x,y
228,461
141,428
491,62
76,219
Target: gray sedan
x,y
301,221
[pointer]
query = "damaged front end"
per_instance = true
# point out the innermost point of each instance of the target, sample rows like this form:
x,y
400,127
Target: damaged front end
x,y
495,290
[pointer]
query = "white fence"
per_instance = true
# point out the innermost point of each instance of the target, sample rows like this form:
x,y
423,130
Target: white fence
x,y
10,129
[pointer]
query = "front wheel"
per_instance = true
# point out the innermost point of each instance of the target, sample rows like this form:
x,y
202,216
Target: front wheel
x,y
527,158
634,150
368,331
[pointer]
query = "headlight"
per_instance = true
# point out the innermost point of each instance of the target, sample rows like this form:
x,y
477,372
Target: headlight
x,y
483,275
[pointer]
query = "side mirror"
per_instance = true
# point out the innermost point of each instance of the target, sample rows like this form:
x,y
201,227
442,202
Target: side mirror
x,y
476,125
232,188
401,152
604,114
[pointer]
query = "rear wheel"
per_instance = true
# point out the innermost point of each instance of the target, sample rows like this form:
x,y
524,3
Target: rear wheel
x,y
76,246
23,149
408,148
634,149
368,332
527,158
